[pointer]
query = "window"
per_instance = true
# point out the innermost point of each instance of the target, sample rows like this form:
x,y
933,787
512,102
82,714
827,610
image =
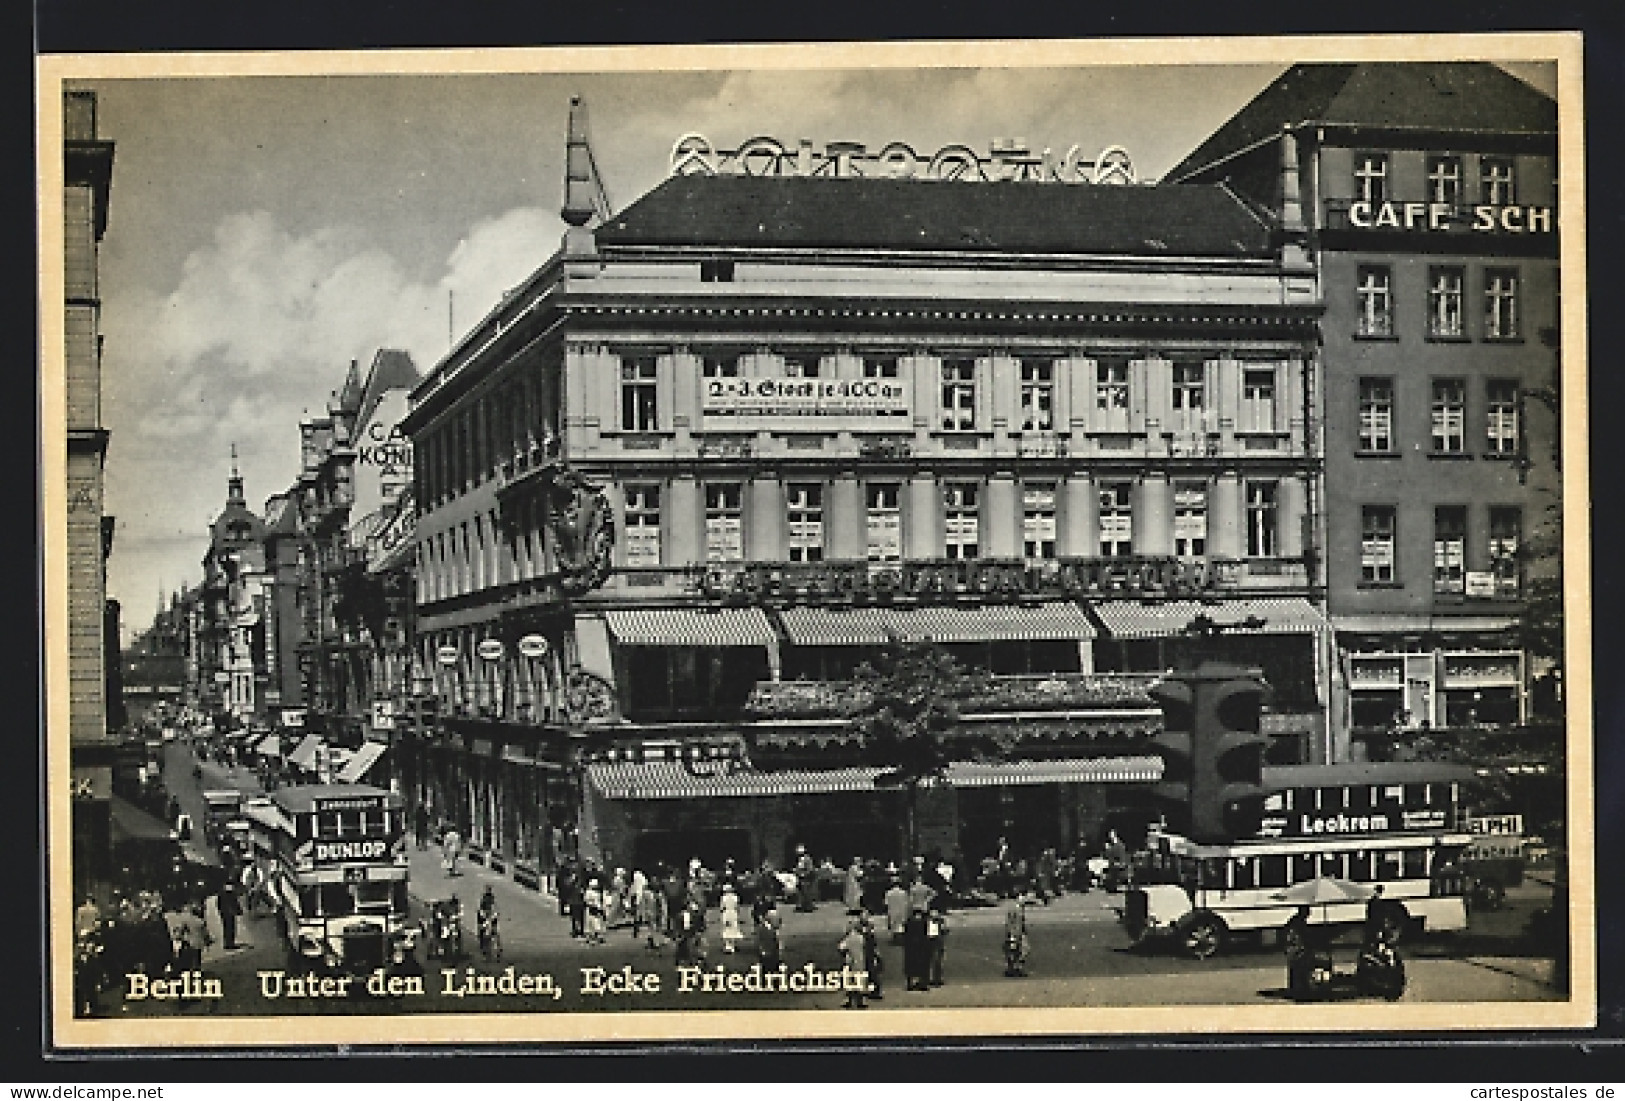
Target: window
x,y
1116,520
1449,549
1444,180
642,515
801,366
960,519
724,523
879,366
1506,530
885,523
1263,518
1500,304
1038,520
1495,180
805,507
716,271
1371,178
1257,400
1190,519
1189,397
1111,396
1377,544
720,366
638,401
1501,417
1444,302
1037,396
1449,416
1376,414
958,395
1376,292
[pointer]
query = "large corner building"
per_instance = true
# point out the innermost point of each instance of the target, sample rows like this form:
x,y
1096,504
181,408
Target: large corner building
x,y
791,403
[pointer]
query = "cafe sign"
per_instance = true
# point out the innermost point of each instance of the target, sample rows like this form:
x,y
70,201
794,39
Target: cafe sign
x,y
1447,217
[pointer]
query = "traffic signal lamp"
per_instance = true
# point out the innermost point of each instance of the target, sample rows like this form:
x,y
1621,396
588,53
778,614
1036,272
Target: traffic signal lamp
x,y
1213,750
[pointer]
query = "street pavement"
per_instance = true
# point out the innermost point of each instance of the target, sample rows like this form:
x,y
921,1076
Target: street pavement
x,y
1080,956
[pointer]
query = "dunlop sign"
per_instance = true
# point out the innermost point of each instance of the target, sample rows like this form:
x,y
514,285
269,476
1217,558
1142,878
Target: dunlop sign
x,y
337,852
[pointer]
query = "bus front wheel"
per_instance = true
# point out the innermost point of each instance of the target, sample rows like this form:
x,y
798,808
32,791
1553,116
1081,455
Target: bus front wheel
x,y
1204,936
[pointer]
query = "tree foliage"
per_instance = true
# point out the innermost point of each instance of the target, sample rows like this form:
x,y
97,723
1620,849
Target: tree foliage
x,y
908,715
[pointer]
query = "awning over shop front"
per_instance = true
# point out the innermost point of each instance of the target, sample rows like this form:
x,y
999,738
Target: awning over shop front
x,y
1280,616
1406,624
269,746
806,626
690,627
305,755
672,780
1085,770
360,761
131,823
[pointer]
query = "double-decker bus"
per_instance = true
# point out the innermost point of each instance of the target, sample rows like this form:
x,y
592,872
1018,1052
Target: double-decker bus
x,y
1353,826
335,861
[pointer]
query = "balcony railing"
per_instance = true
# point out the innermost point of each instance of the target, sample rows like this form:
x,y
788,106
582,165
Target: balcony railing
x,y
1002,695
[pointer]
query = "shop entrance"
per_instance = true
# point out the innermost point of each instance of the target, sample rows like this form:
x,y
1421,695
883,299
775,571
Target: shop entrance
x,y
675,848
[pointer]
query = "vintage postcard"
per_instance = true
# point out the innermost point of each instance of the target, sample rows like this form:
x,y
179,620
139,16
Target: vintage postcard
x,y
976,539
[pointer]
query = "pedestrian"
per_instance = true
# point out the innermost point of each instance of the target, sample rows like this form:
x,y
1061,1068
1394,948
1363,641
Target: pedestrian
x,y
916,951
564,881
649,904
936,932
576,903
1046,876
852,892
690,936
593,900
420,827
767,936
615,900
87,919
229,907
731,934
896,908
189,935
852,959
451,846
873,964
1015,939
806,881
920,894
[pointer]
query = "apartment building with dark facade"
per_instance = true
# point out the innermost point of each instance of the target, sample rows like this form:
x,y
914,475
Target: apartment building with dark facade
x,y
1431,201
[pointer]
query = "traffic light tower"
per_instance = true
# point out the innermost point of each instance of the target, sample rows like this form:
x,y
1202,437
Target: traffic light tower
x,y
1213,750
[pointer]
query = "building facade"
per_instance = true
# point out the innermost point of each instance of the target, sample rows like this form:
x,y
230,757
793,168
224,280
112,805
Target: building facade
x,y
727,442
88,169
231,637
1430,201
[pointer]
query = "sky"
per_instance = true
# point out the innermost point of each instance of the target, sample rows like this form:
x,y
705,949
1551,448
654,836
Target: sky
x,y
265,231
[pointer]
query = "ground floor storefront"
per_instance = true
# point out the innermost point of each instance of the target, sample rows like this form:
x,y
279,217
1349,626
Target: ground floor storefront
x,y
637,814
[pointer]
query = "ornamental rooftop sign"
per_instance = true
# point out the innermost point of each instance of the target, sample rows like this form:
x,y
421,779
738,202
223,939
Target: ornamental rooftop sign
x,y
1007,159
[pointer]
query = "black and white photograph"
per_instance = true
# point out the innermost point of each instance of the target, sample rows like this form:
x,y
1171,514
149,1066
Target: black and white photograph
x,y
906,539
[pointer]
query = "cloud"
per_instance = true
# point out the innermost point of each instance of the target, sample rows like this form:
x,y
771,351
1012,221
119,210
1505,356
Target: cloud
x,y
256,333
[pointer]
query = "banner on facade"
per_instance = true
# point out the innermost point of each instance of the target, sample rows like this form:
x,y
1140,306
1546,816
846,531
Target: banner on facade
x,y
802,402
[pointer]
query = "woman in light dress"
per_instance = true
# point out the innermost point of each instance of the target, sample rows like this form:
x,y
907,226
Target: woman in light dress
x,y
593,900
731,934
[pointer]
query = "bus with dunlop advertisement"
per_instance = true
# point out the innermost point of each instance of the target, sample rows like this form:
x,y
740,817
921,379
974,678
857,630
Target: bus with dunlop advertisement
x,y
1328,836
333,860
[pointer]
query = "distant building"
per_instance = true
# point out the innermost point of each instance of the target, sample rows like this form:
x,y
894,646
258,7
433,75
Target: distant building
x,y
1429,197
231,664
88,170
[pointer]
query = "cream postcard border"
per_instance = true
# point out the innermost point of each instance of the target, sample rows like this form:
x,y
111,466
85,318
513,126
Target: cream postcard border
x,y
1579,1011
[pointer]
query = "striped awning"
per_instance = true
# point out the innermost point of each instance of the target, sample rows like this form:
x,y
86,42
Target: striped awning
x,y
360,761
1084,770
305,755
671,780
690,627
1280,616
806,626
